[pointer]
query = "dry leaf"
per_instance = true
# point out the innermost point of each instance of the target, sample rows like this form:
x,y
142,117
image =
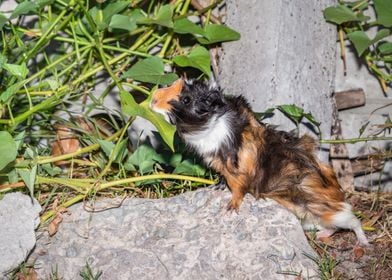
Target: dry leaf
x,y
358,252
66,143
30,274
55,223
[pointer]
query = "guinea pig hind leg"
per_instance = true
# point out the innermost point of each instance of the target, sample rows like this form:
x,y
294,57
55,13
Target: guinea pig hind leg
x,y
345,219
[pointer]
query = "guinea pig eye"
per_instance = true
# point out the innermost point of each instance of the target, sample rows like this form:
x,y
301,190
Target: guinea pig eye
x,y
186,100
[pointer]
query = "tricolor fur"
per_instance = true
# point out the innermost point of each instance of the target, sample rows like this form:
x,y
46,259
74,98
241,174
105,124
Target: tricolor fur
x,y
254,158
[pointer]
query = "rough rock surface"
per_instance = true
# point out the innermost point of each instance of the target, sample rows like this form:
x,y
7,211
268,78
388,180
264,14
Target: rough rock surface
x,y
286,55
19,216
190,236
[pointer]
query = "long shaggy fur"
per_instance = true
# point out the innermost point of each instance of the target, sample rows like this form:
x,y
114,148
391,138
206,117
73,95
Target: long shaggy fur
x,y
255,158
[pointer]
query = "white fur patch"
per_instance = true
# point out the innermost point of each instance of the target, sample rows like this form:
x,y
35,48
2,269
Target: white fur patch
x,y
164,113
346,219
213,135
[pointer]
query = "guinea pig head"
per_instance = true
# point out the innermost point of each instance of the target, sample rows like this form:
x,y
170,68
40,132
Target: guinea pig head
x,y
189,104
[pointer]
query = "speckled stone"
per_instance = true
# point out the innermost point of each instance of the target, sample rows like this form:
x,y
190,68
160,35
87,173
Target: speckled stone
x,y
191,236
19,216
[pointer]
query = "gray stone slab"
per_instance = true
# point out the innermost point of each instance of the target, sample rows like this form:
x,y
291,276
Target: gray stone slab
x,y
19,216
190,236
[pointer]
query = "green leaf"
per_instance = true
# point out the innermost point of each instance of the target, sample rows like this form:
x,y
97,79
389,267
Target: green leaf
x,y
267,113
384,12
16,70
360,41
8,149
51,170
339,14
19,139
163,17
123,22
107,146
28,176
385,48
188,167
381,34
185,26
292,111
130,107
103,17
198,58
3,20
144,157
24,8
10,91
215,33
121,151
150,70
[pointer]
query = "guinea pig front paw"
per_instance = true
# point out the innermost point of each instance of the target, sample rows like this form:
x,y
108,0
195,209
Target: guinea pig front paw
x,y
234,205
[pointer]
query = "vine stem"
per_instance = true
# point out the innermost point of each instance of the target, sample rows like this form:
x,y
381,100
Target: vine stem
x,y
354,140
75,182
84,150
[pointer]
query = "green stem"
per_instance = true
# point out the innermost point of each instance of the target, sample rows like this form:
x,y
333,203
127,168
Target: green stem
x,y
66,204
43,160
354,140
115,150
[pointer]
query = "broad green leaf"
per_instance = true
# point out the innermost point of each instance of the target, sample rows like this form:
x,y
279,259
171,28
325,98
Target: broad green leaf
x,y
24,8
16,70
339,14
381,34
28,176
292,111
103,17
121,151
189,167
175,160
267,113
185,26
8,149
144,157
123,22
215,33
10,91
3,20
199,58
385,48
150,70
360,41
130,107
313,121
163,17
107,146
384,12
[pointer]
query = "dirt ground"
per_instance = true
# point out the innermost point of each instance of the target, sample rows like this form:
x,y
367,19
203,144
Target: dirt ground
x,y
341,258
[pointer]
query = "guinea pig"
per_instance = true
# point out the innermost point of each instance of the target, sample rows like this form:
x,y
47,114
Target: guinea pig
x,y
255,158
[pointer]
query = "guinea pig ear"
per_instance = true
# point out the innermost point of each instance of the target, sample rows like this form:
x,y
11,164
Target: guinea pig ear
x,y
215,98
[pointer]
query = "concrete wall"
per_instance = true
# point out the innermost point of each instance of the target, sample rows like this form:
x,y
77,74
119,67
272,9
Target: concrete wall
x,y
286,55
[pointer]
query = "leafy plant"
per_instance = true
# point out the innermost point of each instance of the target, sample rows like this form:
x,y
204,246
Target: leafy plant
x,y
351,19
56,60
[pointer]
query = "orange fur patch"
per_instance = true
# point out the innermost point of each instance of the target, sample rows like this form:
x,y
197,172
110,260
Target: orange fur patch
x,y
162,96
